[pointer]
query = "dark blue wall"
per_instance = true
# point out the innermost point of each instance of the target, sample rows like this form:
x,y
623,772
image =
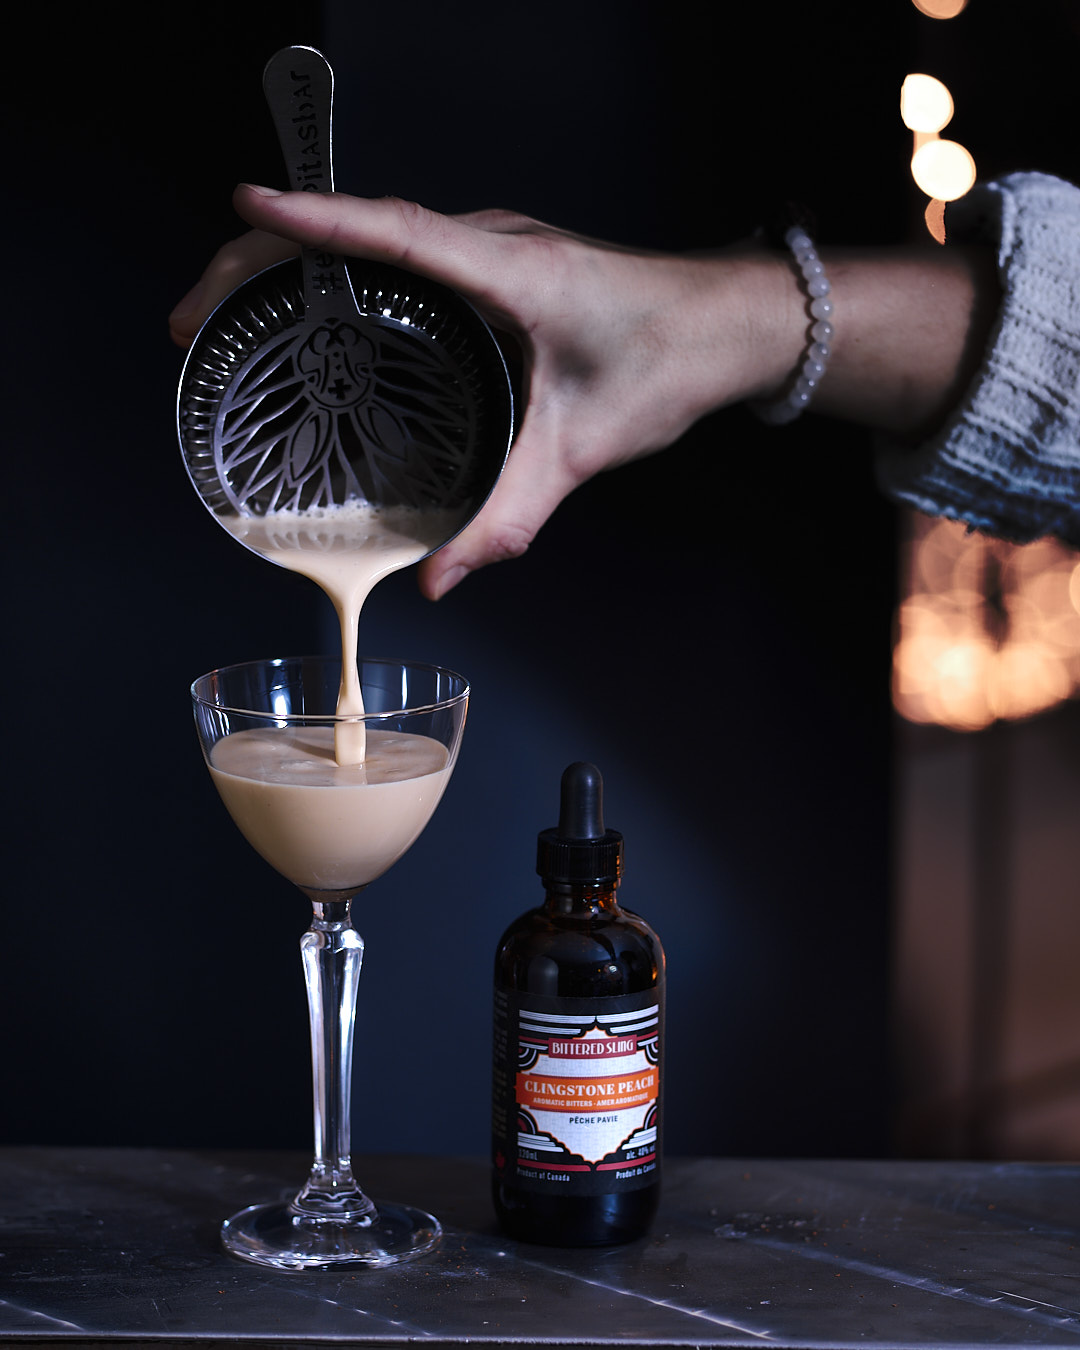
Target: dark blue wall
x,y
735,694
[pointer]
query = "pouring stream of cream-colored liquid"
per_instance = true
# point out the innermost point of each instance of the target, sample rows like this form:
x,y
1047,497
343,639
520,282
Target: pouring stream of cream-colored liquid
x,y
332,809
346,550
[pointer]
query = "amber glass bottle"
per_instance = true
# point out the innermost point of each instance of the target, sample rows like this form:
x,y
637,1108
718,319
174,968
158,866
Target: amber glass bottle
x,y
579,1006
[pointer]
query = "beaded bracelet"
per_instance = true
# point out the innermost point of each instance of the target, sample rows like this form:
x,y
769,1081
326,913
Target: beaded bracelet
x,y
812,366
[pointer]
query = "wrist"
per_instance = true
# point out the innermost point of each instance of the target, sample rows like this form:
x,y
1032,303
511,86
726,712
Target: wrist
x,y
752,326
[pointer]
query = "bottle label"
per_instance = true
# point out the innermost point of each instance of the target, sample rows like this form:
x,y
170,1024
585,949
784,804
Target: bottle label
x,y
577,1091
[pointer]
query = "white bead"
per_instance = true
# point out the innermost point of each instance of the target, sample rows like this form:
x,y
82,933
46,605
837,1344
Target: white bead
x,y
812,366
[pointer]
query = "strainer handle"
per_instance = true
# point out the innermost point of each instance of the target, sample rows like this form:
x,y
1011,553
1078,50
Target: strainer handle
x,y
299,87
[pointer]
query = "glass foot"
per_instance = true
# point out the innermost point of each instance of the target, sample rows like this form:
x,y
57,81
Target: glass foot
x,y
277,1235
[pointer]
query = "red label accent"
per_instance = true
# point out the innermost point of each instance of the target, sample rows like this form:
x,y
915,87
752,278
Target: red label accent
x,y
621,1167
544,1092
561,1167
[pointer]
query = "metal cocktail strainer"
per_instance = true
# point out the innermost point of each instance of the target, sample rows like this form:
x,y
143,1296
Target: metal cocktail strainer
x,y
318,382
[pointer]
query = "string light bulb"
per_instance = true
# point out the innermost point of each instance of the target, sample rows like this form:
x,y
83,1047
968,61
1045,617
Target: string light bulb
x,y
943,170
925,103
940,9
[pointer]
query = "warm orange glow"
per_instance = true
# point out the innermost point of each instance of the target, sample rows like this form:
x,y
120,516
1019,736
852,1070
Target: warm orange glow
x,y
940,9
986,629
943,169
925,103
934,215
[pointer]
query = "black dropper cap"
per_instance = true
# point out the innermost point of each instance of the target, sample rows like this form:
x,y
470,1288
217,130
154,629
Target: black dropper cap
x,y
580,849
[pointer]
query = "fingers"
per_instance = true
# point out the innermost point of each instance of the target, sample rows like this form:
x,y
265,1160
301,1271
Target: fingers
x,y
477,259
474,254
233,263
532,485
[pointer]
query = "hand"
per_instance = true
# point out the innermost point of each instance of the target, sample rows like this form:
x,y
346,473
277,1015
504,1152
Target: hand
x,y
623,350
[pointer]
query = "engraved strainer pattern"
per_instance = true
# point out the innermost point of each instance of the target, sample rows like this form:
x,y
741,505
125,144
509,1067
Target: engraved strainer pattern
x,y
277,414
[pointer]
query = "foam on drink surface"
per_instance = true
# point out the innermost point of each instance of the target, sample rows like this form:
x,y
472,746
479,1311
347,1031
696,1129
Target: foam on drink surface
x,y
322,824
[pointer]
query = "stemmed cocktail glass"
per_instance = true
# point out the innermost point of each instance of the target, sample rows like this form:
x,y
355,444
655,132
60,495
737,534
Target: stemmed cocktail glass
x,y
268,730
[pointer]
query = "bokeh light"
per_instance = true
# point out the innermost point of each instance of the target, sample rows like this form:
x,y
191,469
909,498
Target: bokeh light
x,y
943,169
987,630
925,103
940,9
934,215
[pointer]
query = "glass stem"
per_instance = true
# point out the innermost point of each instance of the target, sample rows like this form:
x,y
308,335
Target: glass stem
x,y
332,952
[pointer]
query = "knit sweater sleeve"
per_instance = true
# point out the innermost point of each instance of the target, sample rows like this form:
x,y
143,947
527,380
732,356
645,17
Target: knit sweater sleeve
x,y
1008,459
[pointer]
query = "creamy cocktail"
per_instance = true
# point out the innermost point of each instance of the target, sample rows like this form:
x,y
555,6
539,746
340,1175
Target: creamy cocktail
x,y
329,826
267,730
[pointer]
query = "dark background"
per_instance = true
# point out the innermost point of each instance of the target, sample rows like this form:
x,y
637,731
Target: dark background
x,y
711,626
